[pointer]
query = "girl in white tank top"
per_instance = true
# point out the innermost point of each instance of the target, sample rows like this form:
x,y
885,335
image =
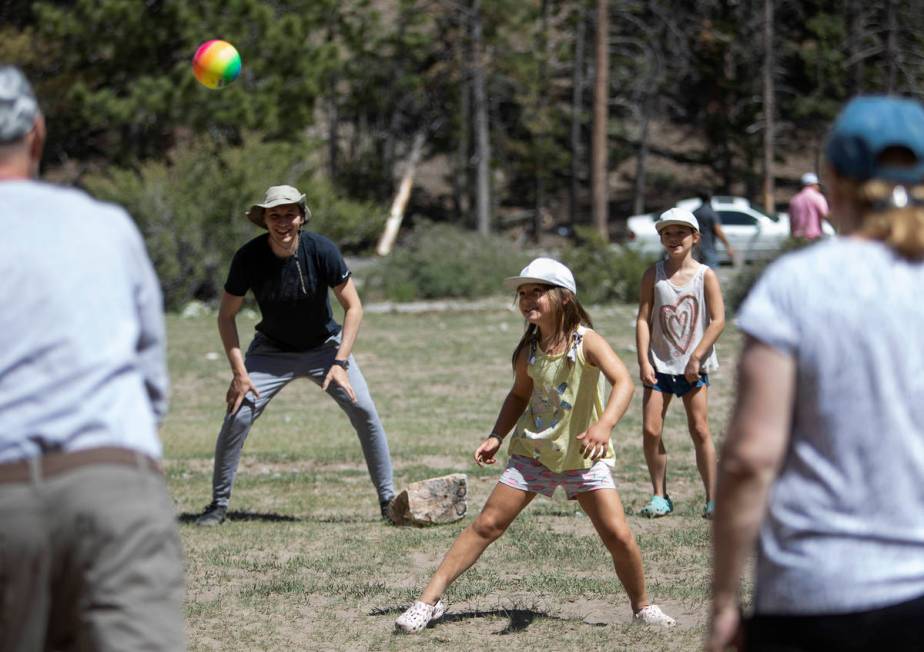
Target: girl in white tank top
x,y
681,315
678,321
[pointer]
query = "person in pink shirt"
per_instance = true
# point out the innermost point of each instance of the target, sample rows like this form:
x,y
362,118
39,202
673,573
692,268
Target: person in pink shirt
x,y
807,209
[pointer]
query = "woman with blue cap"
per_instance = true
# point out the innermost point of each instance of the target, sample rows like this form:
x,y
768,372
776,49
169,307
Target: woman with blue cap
x,y
824,457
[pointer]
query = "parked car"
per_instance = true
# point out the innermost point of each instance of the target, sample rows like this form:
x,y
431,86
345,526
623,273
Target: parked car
x,y
754,234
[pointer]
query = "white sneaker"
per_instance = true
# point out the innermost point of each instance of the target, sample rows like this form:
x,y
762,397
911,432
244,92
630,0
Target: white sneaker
x,y
652,615
417,616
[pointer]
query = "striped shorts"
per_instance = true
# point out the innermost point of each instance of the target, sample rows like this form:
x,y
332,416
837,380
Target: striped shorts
x,y
527,474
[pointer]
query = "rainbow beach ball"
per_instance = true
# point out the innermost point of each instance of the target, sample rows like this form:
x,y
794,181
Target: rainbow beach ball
x,y
216,64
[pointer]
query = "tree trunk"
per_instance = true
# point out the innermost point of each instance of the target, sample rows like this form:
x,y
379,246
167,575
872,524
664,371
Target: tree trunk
x,y
641,161
461,186
483,144
396,214
769,110
891,46
542,47
333,117
601,101
854,42
577,111
333,128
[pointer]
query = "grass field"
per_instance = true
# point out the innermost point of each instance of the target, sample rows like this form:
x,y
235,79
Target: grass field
x,y
305,563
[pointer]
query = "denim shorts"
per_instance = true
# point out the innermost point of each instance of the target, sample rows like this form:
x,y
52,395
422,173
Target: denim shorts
x,y
530,475
678,385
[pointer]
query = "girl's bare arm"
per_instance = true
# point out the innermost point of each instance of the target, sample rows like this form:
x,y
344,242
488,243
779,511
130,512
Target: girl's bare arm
x,y
516,401
643,327
600,354
716,306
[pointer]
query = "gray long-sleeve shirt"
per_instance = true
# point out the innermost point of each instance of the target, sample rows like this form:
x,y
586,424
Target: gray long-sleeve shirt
x,y
82,342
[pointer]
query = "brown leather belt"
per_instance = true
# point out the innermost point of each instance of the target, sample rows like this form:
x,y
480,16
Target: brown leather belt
x,y
52,464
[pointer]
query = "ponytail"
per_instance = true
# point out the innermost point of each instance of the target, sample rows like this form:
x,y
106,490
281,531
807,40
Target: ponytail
x,y
892,214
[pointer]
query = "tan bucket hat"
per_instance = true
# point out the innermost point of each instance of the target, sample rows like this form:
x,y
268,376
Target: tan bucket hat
x,y
277,196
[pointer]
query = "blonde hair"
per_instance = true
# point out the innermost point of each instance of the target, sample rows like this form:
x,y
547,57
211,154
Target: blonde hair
x,y
569,314
884,218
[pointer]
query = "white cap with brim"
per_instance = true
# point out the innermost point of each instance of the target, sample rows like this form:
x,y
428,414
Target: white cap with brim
x,y
544,271
809,179
277,196
676,216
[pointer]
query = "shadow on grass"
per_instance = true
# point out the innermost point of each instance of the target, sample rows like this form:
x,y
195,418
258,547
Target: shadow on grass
x,y
269,517
518,619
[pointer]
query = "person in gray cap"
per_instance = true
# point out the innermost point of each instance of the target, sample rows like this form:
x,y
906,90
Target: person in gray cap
x,y
290,272
90,557
823,459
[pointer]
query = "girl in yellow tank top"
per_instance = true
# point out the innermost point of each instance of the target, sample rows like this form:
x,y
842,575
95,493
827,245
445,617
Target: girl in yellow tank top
x,y
561,437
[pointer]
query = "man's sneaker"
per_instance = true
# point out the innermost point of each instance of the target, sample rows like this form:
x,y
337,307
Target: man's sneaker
x,y
652,615
657,506
386,515
213,515
709,510
417,616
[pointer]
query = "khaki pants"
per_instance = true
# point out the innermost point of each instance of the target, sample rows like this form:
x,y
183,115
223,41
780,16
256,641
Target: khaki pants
x,y
90,559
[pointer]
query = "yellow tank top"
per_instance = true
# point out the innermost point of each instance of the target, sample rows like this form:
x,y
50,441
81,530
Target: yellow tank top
x,y
567,398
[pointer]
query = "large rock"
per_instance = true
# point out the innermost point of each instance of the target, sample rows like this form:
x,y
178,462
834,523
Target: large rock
x,y
431,502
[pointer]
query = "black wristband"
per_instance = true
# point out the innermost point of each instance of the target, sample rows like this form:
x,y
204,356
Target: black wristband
x,y
496,436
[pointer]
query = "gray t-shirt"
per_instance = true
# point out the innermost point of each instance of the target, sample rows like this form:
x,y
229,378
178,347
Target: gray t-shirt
x,y
844,530
82,359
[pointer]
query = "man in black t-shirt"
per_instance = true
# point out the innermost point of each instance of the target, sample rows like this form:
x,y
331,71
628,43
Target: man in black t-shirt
x,y
290,272
710,228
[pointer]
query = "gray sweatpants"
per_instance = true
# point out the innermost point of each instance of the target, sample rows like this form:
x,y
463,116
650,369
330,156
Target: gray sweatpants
x,y
270,369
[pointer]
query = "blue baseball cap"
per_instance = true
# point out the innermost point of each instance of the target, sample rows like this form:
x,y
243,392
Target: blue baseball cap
x,y
866,128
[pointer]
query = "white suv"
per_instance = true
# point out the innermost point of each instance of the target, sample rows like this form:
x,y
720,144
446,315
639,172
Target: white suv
x,y
754,234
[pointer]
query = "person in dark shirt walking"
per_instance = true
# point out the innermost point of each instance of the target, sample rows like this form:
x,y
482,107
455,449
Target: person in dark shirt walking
x,y
710,229
290,272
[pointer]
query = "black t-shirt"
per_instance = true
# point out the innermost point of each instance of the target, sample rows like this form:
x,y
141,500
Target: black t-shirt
x,y
707,220
292,292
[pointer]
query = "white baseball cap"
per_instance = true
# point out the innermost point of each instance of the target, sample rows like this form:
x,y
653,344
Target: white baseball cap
x,y
809,179
545,271
679,216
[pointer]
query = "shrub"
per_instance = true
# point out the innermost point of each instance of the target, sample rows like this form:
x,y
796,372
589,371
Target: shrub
x,y
443,261
190,208
604,273
746,278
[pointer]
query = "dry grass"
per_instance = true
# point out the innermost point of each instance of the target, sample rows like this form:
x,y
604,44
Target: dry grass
x,y
305,562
